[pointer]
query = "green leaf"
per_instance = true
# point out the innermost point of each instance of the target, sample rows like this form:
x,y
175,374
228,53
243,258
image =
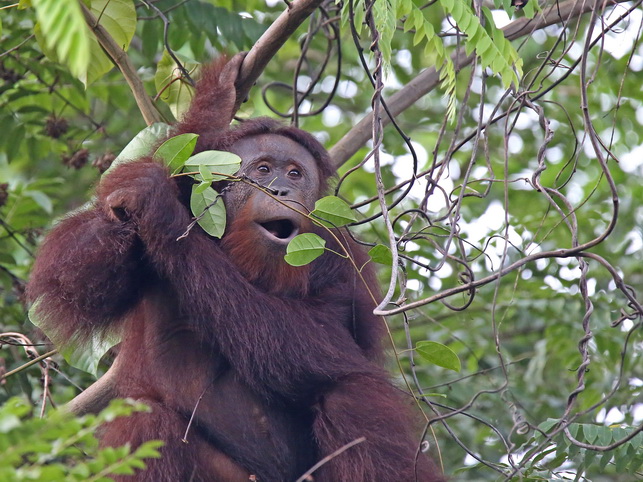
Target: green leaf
x,y
573,429
547,425
176,150
41,199
360,15
201,187
417,17
8,421
530,9
204,17
151,34
149,449
304,248
230,25
142,144
604,436
205,173
172,88
590,432
7,259
332,211
225,164
419,35
381,254
83,356
118,17
64,33
15,406
87,358
458,12
404,8
438,354
490,44
15,142
253,29
209,208
484,45
34,316
504,56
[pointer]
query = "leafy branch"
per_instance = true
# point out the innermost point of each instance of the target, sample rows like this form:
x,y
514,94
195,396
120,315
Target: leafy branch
x,y
430,78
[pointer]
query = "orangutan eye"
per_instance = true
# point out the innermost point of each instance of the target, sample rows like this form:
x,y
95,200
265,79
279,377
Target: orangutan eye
x,y
294,174
263,168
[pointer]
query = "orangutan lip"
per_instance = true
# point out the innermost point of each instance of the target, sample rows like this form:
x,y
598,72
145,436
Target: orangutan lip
x,y
281,229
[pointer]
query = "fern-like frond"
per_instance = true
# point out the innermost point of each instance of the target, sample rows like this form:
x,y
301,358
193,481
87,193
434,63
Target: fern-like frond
x,y
487,41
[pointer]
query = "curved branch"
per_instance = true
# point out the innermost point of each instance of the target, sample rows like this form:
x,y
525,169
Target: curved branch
x,y
116,53
428,80
98,395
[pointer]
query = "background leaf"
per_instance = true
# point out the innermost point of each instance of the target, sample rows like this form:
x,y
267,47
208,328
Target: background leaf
x,y
119,19
438,354
381,254
83,356
142,144
172,88
64,32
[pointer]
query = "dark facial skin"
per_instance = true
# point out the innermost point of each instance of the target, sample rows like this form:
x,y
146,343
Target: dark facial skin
x,y
290,171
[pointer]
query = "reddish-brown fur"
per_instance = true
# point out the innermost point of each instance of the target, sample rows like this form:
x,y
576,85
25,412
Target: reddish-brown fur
x,y
283,360
269,272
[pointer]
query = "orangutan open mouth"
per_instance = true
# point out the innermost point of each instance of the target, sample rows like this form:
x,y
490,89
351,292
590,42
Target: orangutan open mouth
x,y
283,229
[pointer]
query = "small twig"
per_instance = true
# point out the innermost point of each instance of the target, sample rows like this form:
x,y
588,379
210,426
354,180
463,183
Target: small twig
x,y
196,406
166,28
45,388
28,364
14,235
198,218
12,49
269,44
169,9
306,475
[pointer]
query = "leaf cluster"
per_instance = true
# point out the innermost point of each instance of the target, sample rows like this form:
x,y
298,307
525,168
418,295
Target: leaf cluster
x,y
479,34
627,458
61,447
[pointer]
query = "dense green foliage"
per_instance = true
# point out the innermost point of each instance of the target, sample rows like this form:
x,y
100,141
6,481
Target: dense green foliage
x,y
61,447
516,210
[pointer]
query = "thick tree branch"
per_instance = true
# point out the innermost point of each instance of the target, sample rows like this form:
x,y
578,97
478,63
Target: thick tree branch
x,y
429,79
124,64
98,395
270,42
